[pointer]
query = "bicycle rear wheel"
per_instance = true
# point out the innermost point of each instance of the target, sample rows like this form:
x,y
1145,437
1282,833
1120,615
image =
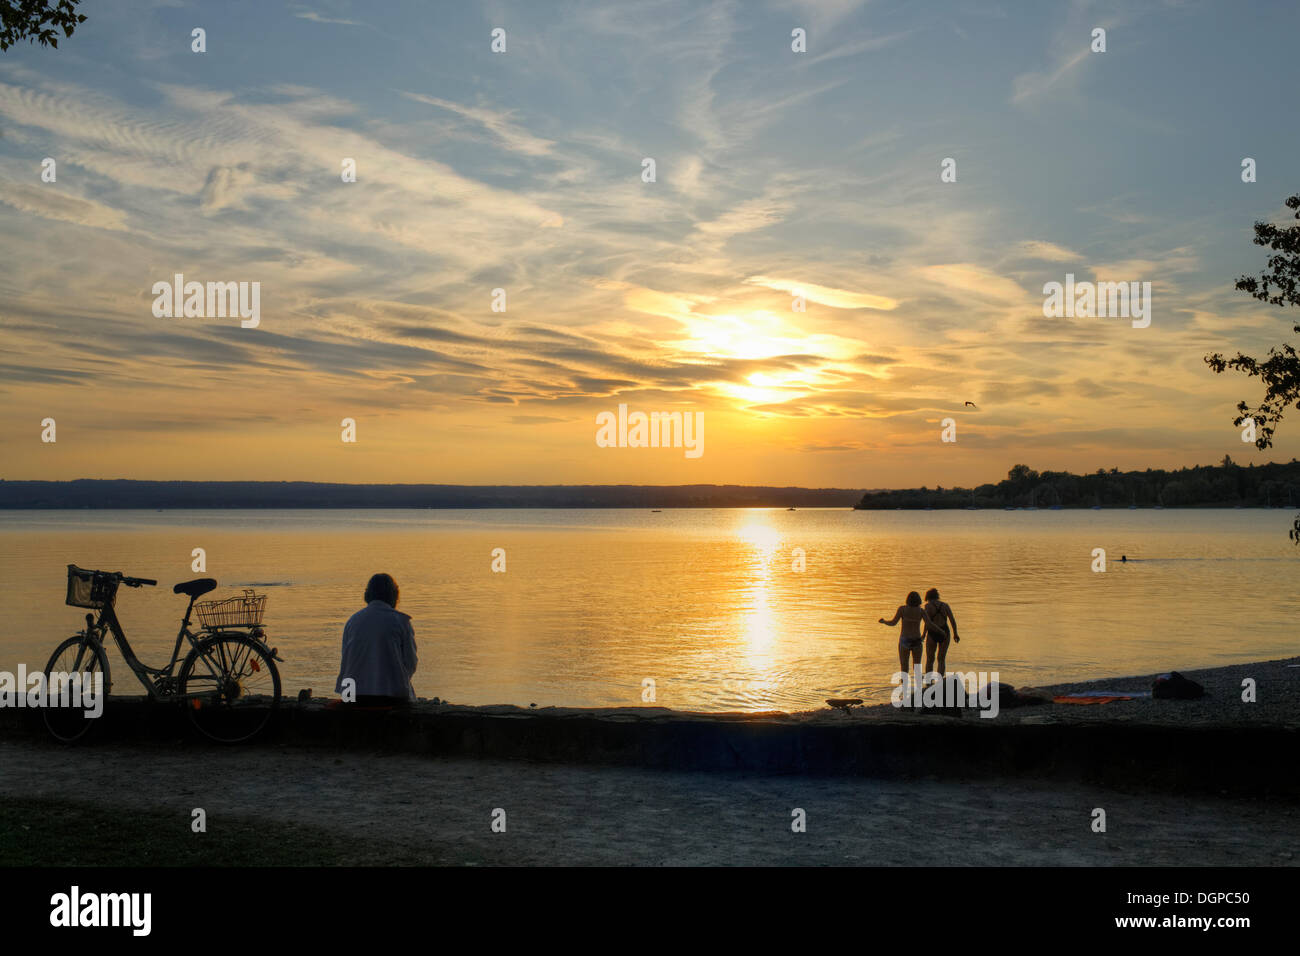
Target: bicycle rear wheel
x,y
230,686
78,655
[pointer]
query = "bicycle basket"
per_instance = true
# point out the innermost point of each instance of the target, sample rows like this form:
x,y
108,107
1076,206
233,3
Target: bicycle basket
x,y
94,589
244,611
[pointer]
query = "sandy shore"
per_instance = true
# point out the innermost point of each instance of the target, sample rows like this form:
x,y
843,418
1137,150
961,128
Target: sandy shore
x,y
1277,703
1277,700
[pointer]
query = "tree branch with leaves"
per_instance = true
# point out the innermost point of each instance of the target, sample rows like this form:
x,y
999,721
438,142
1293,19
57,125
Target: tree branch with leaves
x,y
1280,371
38,21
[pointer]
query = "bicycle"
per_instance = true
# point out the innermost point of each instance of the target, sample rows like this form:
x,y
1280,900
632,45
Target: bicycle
x,y
222,682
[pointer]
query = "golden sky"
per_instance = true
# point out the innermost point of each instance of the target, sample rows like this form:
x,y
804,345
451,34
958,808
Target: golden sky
x,y
776,174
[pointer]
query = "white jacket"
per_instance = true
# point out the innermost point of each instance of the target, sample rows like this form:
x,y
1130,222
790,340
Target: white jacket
x,y
378,652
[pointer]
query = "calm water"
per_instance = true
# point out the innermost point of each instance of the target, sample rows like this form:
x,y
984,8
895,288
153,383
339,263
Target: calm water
x,y
705,602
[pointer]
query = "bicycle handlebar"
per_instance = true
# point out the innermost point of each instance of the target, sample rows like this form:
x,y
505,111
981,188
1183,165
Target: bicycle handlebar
x,y
135,582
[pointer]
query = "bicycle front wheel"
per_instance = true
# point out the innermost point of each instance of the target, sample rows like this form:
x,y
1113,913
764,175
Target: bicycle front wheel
x,y
230,686
81,656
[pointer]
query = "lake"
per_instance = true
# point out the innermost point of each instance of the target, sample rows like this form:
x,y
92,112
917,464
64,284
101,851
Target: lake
x,y
707,603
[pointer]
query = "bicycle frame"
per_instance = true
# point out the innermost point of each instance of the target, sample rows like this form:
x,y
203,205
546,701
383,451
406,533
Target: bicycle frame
x,y
108,620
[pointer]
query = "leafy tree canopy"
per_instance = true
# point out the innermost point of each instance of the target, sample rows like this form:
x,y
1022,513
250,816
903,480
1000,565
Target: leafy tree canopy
x,y
37,20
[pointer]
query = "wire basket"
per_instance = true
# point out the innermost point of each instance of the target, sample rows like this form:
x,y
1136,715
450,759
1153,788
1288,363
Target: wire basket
x,y
94,589
243,611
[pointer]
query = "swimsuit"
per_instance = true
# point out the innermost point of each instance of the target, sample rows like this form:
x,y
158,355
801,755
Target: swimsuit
x,y
911,643
939,632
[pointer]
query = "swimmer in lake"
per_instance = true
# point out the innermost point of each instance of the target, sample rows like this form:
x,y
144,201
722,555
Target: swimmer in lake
x,y
910,642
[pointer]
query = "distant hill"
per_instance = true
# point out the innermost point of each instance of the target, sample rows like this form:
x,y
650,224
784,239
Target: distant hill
x,y
1224,485
124,493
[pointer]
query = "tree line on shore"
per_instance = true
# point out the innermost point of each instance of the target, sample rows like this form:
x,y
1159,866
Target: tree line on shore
x,y
1208,486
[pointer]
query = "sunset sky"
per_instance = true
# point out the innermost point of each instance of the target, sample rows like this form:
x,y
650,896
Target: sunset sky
x,y
776,171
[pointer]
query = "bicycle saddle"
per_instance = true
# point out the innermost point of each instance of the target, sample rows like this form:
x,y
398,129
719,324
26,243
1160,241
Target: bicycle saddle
x,y
196,587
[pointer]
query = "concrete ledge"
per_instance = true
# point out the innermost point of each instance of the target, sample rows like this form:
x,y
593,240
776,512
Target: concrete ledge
x,y
1241,760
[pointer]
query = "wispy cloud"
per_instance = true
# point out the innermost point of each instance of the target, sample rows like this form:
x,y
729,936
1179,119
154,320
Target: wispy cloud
x,y
50,203
317,18
825,295
513,137
1048,251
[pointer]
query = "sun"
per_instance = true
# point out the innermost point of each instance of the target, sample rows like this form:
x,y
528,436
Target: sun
x,y
755,336
763,335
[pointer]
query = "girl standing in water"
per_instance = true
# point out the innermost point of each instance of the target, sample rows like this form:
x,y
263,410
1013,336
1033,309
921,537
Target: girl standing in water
x,y
937,634
913,615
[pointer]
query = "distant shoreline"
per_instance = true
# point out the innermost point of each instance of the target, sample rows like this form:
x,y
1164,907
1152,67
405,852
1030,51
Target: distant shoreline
x,y
1227,485
118,494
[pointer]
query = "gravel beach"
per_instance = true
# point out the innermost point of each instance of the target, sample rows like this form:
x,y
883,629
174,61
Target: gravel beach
x,y
1277,700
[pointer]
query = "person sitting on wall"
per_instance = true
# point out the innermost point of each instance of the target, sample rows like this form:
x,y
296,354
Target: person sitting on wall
x,y
379,656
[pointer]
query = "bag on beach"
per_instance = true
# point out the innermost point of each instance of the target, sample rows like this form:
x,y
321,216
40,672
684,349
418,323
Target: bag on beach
x,y
1006,694
1176,687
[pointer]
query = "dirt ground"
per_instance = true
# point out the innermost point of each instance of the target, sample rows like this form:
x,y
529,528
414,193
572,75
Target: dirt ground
x,y
441,810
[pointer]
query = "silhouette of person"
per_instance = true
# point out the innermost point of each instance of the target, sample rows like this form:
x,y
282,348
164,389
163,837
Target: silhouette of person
x,y
379,648
937,635
913,615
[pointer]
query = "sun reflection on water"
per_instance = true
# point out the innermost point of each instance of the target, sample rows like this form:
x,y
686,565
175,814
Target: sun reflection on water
x,y
758,621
